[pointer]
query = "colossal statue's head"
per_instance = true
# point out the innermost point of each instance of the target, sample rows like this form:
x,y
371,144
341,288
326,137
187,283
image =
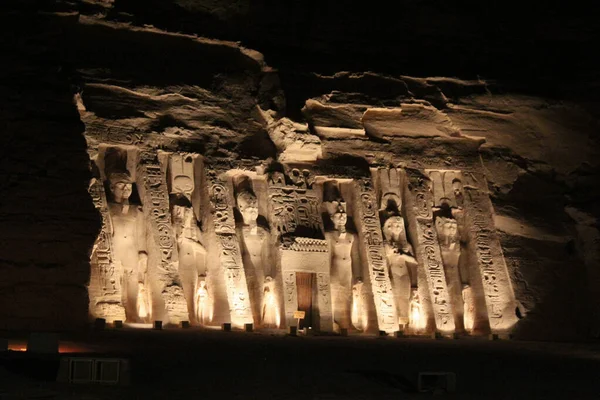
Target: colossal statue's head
x,y
248,206
393,228
337,213
447,230
120,186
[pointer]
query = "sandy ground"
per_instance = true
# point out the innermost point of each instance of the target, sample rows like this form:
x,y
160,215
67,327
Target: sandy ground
x,y
203,364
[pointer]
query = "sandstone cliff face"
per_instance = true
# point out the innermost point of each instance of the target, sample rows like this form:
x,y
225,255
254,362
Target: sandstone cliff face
x,y
94,68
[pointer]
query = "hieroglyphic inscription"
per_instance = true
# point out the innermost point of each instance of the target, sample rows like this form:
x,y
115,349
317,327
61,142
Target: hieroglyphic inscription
x,y
323,288
105,280
156,192
109,279
428,252
114,133
290,295
294,206
154,195
497,287
230,256
371,240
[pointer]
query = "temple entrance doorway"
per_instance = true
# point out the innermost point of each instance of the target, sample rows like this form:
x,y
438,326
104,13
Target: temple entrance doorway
x,y
304,283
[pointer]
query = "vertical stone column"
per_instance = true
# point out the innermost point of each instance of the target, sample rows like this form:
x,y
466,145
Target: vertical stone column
x,y
484,242
162,257
371,247
420,202
228,249
105,277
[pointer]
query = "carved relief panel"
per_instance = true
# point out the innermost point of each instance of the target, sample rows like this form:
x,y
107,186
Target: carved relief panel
x,y
294,205
484,242
230,257
428,249
162,270
105,277
371,240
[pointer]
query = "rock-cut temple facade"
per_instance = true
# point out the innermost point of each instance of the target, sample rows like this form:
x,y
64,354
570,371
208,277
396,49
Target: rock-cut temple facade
x,y
358,244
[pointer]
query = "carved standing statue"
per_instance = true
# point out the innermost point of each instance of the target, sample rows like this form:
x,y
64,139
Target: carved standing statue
x,y
397,248
129,247
416,316
270,311
192,254
468,308
203,303
449,240
255,254
359,308
344,263
398,251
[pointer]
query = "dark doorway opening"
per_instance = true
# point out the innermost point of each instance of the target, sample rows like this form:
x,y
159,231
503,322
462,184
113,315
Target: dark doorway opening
x,y
304,283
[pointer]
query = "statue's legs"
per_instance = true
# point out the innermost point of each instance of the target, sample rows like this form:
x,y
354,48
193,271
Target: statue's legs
x,y
401,289
131,293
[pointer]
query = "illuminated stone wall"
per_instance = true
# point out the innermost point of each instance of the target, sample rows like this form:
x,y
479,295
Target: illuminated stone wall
x,y
404,221
177,114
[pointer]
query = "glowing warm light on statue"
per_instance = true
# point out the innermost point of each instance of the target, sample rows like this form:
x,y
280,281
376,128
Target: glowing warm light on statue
x,y
143,303
203,311
415,317
270,315
359,313
319,263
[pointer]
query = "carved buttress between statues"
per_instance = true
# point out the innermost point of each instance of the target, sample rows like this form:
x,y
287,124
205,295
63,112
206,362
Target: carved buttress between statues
x,y
106,276
163,255
428,250
483,241
230,257
372,247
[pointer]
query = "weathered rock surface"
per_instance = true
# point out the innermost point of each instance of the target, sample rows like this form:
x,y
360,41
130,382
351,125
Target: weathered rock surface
x,y
177,91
